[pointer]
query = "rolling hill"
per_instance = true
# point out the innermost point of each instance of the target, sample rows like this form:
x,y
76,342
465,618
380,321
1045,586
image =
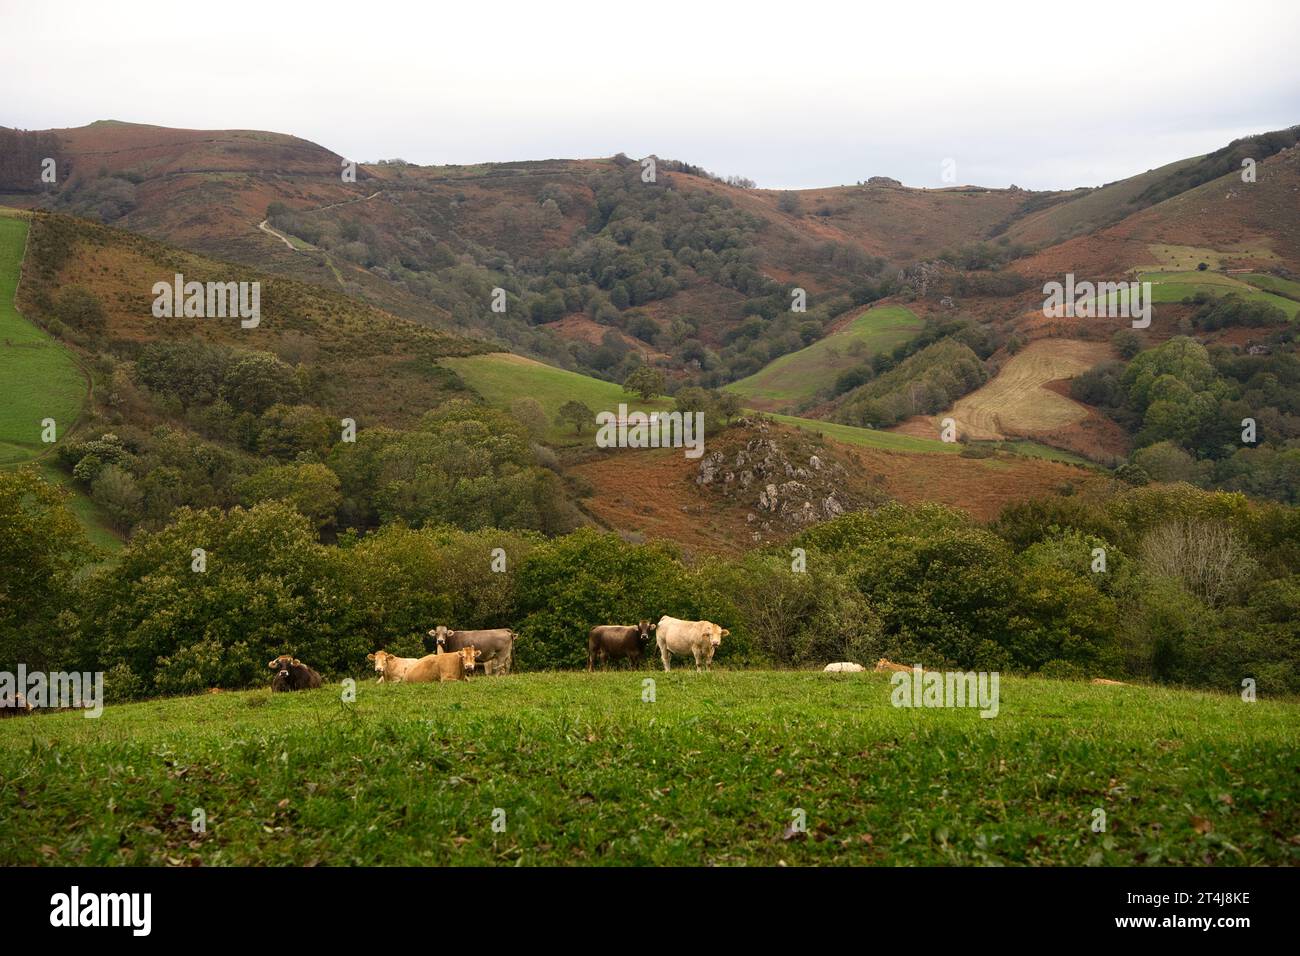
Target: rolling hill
x,y
797,377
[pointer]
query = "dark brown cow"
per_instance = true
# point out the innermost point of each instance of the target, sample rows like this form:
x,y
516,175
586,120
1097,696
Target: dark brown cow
x,y
612,641
15,706
292,674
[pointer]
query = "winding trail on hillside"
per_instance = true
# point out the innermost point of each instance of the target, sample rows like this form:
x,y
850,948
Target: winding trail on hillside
x,y
266,227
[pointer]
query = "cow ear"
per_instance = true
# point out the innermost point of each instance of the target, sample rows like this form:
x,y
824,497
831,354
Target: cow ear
x,y
297,663
653,626
370,657
725,632
272,664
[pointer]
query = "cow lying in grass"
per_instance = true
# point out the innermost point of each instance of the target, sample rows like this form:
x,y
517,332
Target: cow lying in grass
x,y
15,706
420,670
292,674
843,667
884,665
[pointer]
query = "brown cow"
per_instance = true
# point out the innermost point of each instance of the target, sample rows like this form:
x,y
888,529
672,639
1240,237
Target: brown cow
x,y
884,665
496,646
15,706
292,674
612,641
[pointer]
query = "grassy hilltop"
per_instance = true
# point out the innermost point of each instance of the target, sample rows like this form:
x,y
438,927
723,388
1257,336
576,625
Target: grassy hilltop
x,y
708,773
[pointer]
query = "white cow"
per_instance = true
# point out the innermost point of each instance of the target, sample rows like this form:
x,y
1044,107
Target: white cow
x,y
843,667
698,638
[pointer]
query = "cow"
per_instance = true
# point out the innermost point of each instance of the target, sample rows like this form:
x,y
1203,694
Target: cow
x,y
470,656
418,670
698,638
843,667
884,665
391,668
292,674
451,666
496,647
15,706
1111,683
612,641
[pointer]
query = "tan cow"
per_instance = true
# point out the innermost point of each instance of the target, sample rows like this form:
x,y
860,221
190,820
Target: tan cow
x,y
391,668
1112,683
884,665
446,667
697,638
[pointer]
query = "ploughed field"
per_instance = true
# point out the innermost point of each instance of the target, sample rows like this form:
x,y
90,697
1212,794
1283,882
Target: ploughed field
x,y
579,769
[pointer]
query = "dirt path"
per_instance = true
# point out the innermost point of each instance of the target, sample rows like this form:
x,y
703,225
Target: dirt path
x,y
266,227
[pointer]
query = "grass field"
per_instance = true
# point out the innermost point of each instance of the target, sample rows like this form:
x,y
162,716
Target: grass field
x,y
501,378
1287,288
40,378
710,772
800,375
1177,286
870,437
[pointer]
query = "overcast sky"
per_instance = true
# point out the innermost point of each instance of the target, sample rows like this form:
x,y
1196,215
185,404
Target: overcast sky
x,y
794,94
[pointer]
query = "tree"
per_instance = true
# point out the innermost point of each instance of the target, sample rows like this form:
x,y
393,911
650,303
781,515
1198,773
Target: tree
x,y
312,489
575,412
529,413
41,548
78,308
645,381
728,406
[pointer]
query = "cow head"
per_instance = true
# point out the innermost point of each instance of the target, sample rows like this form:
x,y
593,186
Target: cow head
x,y
283,663
381,660
643,630
718,634
469,655
440,635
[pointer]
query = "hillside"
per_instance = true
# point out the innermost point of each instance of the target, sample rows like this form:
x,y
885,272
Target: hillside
x,y
41,377
586,773
799,376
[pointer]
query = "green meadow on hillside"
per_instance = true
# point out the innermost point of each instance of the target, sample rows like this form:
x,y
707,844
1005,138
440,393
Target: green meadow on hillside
x,y
871,437
1177,286
800,375
41,379
581,769
502,378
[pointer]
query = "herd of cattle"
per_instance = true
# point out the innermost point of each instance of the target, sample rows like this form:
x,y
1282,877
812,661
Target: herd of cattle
x,y
459,652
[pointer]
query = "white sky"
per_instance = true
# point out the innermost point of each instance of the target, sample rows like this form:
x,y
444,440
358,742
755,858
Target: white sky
x,y
793,94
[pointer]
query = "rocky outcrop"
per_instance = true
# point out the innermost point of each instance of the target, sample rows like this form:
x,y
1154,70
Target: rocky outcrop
x,y
783,476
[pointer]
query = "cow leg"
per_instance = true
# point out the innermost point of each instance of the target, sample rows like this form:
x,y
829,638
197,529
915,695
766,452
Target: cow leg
x,y
663,652
591,657
696,652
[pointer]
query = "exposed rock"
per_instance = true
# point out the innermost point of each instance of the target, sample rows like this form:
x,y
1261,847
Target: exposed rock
x,y
762,466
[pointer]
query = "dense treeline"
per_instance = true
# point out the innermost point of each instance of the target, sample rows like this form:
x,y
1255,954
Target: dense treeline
x,y
1198,588
1190,410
